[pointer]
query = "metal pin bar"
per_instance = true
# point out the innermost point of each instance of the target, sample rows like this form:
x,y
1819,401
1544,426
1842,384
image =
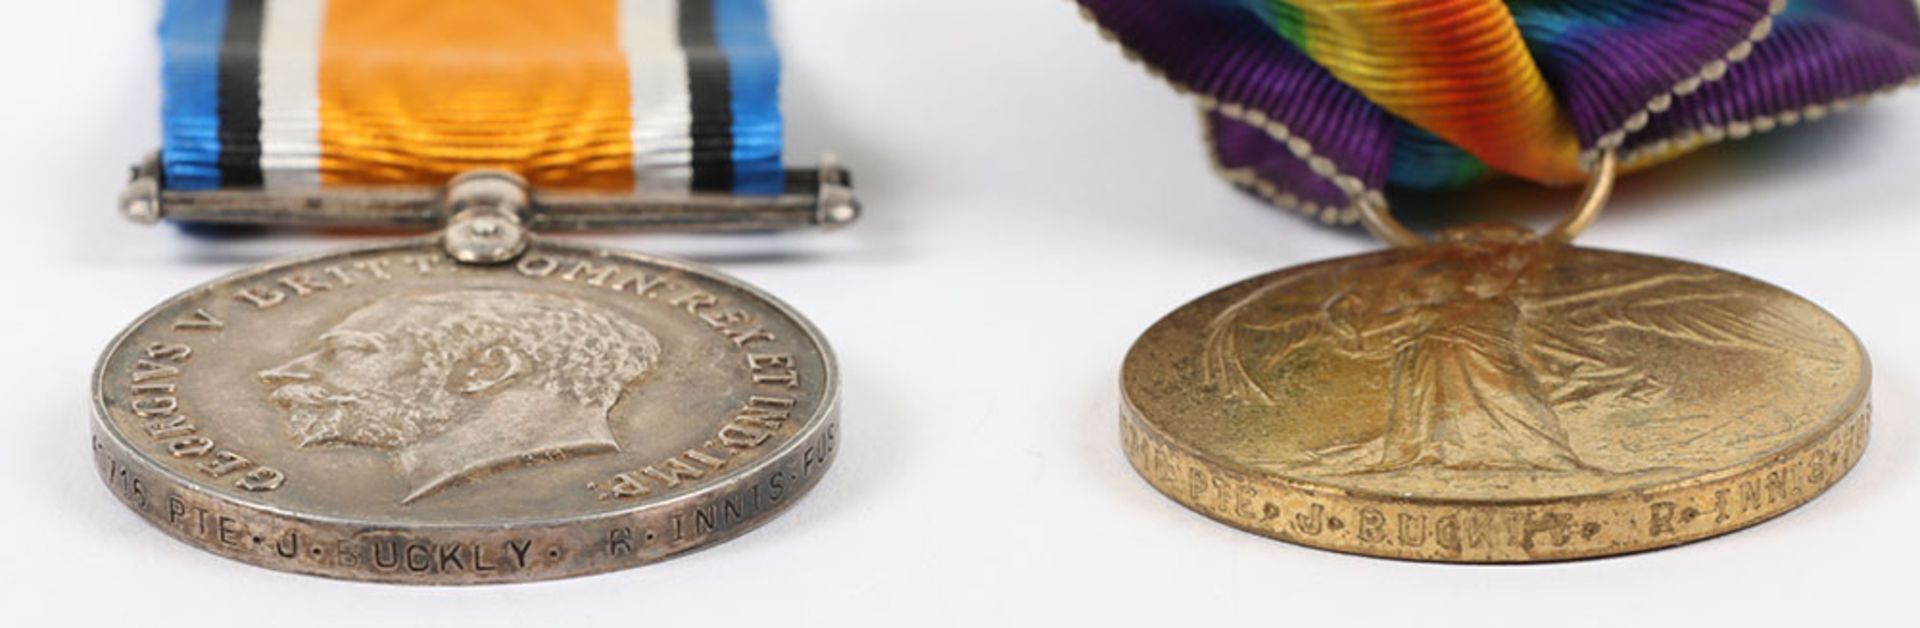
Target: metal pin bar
x,y
817,198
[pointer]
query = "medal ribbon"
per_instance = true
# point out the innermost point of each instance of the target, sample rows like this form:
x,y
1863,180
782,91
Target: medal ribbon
x,y
584,94
1314,103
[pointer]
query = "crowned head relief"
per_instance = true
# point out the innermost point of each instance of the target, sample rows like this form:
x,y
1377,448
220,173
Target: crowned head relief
x,y
454,385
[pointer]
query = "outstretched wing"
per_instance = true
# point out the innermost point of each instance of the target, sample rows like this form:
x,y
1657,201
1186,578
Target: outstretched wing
x,y
1699,307
1247,340
1228,368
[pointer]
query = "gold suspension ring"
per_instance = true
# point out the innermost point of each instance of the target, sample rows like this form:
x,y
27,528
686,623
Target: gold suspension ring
x,y
1381,223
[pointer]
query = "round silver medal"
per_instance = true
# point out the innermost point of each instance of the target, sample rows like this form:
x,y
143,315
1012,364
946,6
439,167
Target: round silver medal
x,y
390,414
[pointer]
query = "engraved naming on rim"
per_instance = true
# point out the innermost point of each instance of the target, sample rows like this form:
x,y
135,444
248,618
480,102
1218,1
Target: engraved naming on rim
x,y
1495,397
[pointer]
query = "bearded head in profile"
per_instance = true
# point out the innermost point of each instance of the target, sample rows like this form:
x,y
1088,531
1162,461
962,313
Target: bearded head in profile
x,y
458,385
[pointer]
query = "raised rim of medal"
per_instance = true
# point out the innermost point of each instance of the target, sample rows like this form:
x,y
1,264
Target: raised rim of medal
x,y
1855,401
825,412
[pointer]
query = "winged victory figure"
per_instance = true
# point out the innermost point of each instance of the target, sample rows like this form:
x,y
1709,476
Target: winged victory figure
x,y
1488,334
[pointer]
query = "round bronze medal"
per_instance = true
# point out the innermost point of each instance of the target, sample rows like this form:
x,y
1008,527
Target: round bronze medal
x,y
391,414
1495,397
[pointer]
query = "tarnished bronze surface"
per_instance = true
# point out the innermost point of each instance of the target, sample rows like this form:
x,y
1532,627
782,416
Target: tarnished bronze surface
x,y
1494,397
390,414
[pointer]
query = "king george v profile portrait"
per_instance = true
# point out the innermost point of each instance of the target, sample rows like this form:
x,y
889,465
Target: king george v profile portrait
x,y
455,386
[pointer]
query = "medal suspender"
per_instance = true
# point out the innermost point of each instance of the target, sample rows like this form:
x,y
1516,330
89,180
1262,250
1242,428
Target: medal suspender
x,y
1491,394
479,405
629,114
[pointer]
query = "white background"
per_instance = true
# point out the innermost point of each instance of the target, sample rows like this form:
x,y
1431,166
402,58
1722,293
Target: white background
x,y
1034,203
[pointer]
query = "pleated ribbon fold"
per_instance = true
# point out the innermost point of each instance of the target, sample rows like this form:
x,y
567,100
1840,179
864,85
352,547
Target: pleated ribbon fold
x,y
1318,103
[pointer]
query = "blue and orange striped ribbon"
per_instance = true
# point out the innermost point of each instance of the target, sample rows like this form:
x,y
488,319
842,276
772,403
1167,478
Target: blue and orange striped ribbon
x,y
592,94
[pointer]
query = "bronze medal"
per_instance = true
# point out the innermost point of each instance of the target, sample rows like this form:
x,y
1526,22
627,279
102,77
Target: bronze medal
x,y
1495,396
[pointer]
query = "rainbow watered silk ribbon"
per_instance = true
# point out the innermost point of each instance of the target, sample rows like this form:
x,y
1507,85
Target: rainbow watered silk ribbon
x,y
588,94
1314,103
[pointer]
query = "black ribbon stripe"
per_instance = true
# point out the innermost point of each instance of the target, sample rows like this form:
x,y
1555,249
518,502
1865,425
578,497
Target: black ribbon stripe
x,y
710,84
239,94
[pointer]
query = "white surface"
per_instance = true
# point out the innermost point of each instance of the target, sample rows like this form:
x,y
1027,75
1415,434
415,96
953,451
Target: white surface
x,y
1035,203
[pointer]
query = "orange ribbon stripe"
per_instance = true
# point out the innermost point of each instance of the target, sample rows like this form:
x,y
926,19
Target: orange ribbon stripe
x,y
412,93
